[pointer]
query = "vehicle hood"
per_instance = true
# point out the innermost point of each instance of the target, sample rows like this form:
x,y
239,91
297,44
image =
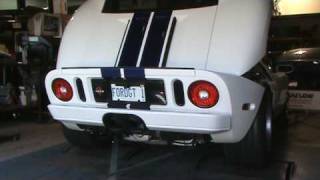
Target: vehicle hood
x,y
229,38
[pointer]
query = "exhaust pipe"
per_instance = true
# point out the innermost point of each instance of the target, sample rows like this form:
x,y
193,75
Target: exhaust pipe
x,y
124,124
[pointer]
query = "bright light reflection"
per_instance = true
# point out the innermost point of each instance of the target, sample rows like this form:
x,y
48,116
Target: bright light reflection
x,y
300,52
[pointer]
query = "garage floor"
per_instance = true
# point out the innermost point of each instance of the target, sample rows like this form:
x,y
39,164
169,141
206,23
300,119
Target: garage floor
x,y
42,153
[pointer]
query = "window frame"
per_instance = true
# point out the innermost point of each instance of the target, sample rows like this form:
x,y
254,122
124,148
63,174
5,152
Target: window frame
x,y
107,9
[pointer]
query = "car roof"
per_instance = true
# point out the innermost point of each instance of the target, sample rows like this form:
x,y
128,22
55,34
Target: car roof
x,y
300,54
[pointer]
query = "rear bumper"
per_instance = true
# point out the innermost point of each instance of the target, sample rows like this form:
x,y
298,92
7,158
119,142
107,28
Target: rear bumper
x,y
226,122
157,121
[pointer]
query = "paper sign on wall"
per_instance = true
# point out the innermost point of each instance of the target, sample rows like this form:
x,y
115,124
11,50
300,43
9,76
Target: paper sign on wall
x,y
304,100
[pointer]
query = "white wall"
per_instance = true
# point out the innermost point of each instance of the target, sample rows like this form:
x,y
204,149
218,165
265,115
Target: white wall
x,y
37,3
8,5
289,7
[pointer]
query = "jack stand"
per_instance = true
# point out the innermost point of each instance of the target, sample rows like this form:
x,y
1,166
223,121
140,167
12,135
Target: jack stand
x,y
114,158
114,171
290,169
119,126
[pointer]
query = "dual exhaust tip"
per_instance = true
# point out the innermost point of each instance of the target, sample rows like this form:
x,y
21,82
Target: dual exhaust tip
x,y
119,124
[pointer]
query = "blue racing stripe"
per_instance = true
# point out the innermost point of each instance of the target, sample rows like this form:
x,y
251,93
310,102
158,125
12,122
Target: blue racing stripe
x,y
134,73
131,48
156,38
110,73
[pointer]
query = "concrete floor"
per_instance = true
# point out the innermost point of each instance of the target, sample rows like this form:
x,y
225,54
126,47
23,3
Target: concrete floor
x,y
302,145
33,137
43,154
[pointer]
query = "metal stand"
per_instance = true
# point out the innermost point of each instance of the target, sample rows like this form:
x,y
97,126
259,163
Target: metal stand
x,y
290,170
114,158
114,162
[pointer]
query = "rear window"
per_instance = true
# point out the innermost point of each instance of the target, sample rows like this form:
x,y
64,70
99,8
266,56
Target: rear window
x,y
118,6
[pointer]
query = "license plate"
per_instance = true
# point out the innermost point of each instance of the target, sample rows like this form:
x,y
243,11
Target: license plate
x,y
128,94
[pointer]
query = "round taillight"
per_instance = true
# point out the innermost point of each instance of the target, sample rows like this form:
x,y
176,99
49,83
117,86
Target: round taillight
x,y
203,94
62,90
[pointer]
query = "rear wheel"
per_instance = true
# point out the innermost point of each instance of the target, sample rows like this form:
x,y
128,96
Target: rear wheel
x,y
254,149
85,139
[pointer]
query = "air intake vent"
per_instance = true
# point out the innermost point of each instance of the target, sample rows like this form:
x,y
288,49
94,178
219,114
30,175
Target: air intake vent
x,y
285,68
81,93
178,92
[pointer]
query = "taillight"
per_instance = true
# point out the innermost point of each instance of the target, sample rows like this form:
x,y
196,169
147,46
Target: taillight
x,y
203,94
62,90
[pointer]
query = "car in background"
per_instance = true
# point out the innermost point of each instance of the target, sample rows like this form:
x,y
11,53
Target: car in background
x,y
303,69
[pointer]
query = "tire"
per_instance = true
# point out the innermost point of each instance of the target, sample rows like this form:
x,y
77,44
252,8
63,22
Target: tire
x,y
254,149
6,117
283,119
86,140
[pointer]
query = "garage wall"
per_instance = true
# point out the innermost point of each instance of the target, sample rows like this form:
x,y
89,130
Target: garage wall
x,y
289,7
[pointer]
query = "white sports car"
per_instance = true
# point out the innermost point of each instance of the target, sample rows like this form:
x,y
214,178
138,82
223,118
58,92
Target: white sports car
x,y
175,70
